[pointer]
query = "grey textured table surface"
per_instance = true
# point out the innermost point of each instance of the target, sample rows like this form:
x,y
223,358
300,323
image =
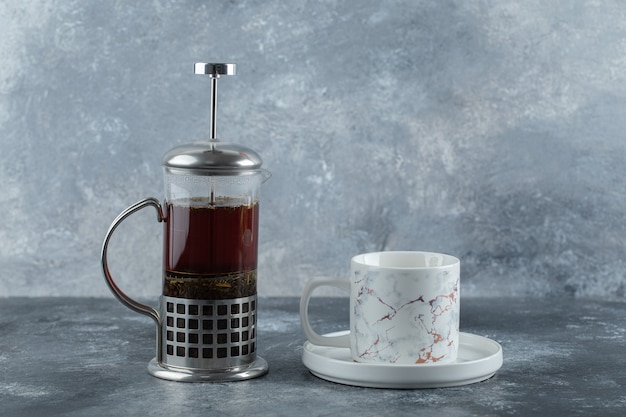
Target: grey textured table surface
x,y
88,357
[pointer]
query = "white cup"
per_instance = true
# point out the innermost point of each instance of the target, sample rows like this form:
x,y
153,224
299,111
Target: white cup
x,y
404,308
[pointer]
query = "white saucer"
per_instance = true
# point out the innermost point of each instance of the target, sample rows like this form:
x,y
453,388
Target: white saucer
x,y
478,359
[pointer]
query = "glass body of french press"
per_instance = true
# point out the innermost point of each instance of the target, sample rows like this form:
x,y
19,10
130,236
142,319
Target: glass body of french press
x,y
206,319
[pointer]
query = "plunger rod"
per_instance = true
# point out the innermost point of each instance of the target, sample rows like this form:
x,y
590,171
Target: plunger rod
x,y
214,71
213,108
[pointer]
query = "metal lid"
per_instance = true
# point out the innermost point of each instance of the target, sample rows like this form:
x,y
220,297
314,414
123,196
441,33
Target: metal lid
x,y
213,158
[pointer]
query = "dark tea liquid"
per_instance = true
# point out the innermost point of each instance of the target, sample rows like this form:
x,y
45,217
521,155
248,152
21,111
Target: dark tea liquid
x,y
211,251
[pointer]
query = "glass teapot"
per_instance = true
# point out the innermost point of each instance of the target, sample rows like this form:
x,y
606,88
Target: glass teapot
x,y
206,320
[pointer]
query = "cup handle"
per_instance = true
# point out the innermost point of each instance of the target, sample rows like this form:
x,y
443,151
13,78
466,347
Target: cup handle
x,y
342,341
117,292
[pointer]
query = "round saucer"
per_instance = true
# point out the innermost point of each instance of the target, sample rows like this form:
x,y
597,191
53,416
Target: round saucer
x,y
478,359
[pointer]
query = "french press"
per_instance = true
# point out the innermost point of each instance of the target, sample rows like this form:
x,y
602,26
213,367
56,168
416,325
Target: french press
x,y
207,315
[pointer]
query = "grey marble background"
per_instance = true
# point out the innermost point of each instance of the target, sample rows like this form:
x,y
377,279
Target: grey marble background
x,y
491,130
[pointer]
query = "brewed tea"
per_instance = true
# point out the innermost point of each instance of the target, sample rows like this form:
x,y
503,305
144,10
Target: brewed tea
x,y
211,251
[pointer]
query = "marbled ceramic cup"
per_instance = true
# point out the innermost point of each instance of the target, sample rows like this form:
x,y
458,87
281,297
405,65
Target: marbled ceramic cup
x,y
404,308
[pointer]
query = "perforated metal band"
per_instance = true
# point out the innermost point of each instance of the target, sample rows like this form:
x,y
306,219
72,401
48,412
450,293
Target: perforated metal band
x,y
208,334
